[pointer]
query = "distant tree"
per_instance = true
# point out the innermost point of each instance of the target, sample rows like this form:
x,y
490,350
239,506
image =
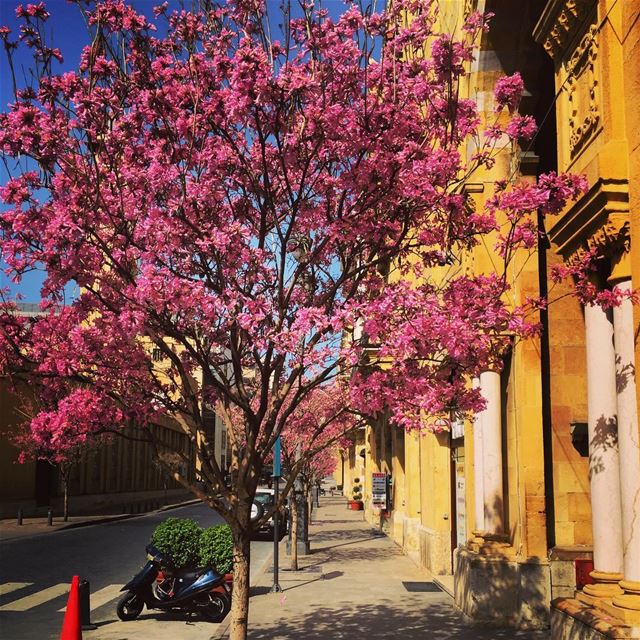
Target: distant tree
x,y
314,431
52,434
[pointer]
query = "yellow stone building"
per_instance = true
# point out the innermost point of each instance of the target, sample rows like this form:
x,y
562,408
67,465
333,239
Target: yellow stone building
x,y
111,477
528,515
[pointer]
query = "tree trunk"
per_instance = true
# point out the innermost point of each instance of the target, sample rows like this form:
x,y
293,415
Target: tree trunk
x,y
241,562
294,533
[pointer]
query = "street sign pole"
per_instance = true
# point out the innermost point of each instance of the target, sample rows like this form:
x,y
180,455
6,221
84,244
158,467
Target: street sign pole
x,y
276,516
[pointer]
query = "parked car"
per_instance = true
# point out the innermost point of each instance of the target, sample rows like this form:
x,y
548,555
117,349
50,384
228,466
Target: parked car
x,y
264,502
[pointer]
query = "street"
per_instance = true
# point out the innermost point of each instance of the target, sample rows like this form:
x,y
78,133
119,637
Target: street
x,y
35,572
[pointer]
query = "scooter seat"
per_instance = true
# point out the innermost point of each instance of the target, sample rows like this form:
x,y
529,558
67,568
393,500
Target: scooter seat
x,y
188,574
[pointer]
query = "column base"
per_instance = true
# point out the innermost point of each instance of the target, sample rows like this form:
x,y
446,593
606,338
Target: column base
x,y
625,608
477,538
630,586
572,619
605,587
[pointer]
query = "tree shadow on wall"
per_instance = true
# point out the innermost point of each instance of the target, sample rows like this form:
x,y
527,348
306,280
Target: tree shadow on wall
x,y
625,374
605,438
495,589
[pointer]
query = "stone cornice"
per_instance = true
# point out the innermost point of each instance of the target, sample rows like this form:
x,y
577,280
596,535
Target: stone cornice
x,y
559,23
598,220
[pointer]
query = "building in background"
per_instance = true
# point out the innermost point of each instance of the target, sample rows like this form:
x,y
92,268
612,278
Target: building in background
x,y
116,476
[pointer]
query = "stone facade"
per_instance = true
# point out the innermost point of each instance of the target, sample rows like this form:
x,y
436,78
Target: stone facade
x,y
531,506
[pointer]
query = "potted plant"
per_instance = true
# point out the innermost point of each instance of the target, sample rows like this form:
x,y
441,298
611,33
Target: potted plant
x,y
216,551
179,538
189,546
356,504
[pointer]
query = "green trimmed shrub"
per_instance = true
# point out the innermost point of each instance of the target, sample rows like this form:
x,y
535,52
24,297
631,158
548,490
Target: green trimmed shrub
x,y
180,539
357,489
216,548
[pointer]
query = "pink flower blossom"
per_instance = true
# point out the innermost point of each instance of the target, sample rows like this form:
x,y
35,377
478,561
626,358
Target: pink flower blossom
x,y
508,92
521,127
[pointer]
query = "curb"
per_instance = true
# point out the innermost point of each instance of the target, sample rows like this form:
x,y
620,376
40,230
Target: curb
x,y
86,523
127,516
168,507
103,520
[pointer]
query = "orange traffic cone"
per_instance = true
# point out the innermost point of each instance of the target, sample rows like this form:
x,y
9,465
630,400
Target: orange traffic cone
x,y
72,627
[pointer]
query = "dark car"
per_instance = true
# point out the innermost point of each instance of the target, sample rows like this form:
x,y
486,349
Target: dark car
x,y
265,499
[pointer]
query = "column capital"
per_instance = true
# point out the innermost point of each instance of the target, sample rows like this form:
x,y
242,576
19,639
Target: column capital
x,y
490,369
620,267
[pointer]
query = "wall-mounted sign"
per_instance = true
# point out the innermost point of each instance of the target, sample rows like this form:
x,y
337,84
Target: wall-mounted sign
x,y
457,429
379,490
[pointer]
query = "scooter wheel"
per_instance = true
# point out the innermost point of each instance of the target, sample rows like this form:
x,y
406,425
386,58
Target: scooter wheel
x,y
129,606
217,608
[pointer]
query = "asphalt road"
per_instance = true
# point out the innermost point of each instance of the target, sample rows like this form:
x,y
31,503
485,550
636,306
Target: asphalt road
x,y
34,570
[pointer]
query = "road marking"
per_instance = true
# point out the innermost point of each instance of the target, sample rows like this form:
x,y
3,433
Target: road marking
x,y
102,596
8,587
40,597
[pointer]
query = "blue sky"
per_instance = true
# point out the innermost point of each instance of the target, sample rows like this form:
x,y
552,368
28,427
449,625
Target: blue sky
x,y
66,30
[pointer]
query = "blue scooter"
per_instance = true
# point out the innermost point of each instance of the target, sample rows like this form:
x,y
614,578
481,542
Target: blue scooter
x,y
159,585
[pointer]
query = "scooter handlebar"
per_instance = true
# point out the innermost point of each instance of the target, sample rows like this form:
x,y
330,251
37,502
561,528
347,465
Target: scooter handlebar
x,y
157,556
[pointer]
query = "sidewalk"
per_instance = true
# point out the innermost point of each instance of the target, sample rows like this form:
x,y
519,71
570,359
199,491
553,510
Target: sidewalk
x,y
357,584
9,528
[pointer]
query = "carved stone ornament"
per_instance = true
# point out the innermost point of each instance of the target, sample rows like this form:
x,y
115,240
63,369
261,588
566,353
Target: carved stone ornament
x,y
599,220
581,88
610,240
613,237
559,22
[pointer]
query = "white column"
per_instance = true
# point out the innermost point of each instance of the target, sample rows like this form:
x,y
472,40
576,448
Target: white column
x,y
478,468
492,453
604,466
628,442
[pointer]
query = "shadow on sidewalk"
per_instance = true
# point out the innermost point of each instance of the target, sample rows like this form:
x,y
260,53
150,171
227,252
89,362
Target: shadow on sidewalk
x,y
351,536
377,622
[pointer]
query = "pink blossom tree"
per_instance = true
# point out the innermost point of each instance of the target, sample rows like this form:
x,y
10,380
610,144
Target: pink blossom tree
x,y
250,201
54,434
314,431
